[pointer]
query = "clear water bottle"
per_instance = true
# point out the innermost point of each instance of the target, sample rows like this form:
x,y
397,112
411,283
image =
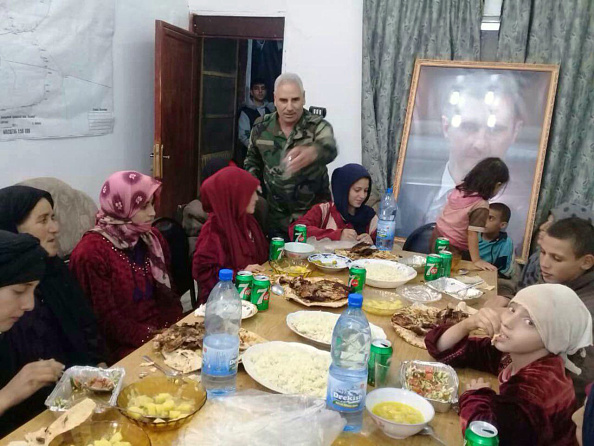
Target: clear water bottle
x,y
347,381
221,342
386,226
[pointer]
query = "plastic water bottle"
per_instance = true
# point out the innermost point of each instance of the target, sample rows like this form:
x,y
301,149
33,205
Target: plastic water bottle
x,y
386,226
347,381
221,342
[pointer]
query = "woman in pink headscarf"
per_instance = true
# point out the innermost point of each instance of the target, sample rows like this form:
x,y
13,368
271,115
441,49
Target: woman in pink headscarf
x,y
122,264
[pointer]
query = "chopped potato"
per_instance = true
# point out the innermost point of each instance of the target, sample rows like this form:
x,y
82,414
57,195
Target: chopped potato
x,y
163,405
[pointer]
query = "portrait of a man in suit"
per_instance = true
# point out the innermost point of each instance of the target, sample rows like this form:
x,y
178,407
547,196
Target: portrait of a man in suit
x,y
460,117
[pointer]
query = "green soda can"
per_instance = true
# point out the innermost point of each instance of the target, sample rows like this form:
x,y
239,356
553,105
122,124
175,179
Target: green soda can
x,y
277,246
446,263
433,267
261,292
441,244
380,353
481,433
300,233
243,283
357,274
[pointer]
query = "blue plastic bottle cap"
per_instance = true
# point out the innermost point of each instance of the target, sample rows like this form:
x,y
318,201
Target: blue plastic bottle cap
x,y
355,300
389,190
226,274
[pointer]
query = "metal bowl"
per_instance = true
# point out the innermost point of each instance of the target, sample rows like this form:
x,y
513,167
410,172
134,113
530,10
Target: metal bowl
x,y
87,433
439,405
152,386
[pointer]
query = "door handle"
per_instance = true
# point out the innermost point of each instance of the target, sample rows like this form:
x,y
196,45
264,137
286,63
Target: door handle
x,y
166,157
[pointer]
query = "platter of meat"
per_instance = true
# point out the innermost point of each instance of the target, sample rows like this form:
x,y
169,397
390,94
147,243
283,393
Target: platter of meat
x,y
366,251
315,291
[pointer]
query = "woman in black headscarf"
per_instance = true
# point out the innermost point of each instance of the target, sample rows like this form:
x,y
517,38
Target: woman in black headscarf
x,y
347,217
62,325
22,265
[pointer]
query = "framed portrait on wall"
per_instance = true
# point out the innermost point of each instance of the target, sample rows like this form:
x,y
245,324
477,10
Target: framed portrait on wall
x,y
462,112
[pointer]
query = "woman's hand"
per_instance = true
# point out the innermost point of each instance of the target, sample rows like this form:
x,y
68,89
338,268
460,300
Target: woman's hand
x,y
29,380
476,384
485,266
365,238
255,268
487,319
349,235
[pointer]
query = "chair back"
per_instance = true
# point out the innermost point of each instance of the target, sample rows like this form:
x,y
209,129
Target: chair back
x,y
181,269
418,241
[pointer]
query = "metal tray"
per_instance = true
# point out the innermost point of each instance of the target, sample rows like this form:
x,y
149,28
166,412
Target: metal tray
x,y
438,405
454,288
61,398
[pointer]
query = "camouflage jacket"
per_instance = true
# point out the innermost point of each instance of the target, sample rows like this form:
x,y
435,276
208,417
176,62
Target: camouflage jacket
x,y
289,197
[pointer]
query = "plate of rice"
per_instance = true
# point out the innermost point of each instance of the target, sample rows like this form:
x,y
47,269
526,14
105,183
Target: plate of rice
x,y
289,367
385,273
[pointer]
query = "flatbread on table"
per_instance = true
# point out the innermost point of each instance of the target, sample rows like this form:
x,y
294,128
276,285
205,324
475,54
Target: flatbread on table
x,y
414,322
365,251
292,294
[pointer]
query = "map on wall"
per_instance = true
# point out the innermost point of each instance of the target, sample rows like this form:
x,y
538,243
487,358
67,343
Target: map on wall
x,y
55,68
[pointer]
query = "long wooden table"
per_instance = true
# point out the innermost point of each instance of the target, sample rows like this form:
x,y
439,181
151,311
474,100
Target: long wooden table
x,y
272,326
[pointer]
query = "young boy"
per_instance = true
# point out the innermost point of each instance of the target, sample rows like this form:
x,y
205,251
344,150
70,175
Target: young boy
x,y
495,246
567,257
526,346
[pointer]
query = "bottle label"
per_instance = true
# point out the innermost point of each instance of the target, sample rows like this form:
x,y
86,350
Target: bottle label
x,y
386,229
219,361
346,396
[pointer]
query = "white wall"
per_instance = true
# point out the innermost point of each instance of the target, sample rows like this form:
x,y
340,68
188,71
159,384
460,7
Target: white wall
x,y
85,163
323,44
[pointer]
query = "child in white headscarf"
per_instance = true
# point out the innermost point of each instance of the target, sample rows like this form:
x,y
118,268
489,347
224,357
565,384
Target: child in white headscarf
x,y
527,347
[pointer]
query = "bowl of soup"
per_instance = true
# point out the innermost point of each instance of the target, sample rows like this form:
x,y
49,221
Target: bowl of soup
x,y
399,413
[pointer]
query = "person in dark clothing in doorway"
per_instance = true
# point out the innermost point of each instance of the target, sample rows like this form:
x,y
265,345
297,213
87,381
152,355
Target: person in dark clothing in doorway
x,y
255,107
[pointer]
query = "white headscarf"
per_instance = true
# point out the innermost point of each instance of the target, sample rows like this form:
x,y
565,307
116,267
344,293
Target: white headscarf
x,y
561,318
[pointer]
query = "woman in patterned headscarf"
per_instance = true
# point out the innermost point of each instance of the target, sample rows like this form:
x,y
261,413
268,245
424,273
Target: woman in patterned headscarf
x,y
122,264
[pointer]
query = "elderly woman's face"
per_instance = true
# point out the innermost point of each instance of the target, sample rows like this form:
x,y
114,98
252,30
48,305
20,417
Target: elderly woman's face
x,y
41,223
14,301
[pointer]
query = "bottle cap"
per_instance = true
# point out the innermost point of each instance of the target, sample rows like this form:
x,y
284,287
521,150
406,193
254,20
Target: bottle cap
x,y
355,300
226,275
389,190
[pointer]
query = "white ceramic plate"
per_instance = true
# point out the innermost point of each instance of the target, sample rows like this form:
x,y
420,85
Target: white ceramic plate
x,y
248,310
376,332
251,354
401,273
329,263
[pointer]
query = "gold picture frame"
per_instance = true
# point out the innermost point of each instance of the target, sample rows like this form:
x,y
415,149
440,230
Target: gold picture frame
x,y
460,112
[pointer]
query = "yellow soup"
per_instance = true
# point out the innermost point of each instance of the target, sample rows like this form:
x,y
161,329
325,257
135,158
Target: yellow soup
x,y
398,412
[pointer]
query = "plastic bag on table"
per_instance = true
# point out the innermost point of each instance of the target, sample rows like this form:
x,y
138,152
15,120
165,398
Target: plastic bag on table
x,y
255,418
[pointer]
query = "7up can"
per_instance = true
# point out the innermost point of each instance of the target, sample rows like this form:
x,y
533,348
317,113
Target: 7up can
x,y
357,274
442,244
446,263
261,292
433,267
243,283
481,433
380,353
300,233
277,246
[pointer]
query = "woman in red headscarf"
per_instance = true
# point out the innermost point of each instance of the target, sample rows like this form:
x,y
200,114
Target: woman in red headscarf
x,y
122,264
231,237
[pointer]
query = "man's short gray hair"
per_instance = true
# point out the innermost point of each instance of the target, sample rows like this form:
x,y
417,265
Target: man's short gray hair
x,y
289,78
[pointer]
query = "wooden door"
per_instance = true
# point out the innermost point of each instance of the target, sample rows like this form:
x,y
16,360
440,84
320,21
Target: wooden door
x,y
217,119
175,151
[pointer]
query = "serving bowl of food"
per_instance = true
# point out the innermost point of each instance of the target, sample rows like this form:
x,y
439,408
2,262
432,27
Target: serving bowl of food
x,y
103,433
292,267
415,261
329,263
381,302
399,413
434,381
297,250
162,403
385,273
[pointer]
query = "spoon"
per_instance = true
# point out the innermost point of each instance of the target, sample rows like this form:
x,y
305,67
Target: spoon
x,y
277,289
428,430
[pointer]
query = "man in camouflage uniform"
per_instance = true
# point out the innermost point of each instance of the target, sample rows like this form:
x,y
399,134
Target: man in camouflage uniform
x,y
288,152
